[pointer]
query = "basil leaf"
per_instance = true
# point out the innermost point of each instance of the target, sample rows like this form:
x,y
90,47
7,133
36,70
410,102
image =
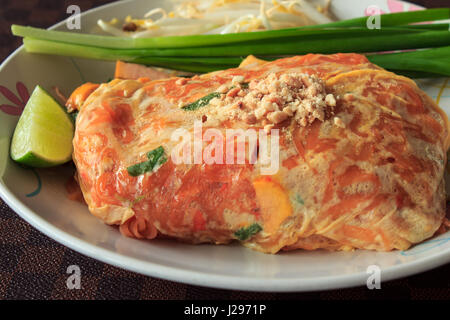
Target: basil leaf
x,y
139,168
154,155
246,233
201,102
155,159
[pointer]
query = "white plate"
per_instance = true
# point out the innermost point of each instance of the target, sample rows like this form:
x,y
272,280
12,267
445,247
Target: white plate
x,y
39,196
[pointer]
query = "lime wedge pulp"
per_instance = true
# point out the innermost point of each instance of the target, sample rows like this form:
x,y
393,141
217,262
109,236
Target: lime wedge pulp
x,y
44,133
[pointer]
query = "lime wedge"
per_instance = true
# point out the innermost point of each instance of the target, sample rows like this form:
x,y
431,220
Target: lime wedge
x,y
44,133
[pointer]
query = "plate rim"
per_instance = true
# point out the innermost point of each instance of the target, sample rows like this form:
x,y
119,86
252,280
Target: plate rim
x,y
191,277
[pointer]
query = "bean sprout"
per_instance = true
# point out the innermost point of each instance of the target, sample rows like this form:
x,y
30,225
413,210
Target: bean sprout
x,y
221,17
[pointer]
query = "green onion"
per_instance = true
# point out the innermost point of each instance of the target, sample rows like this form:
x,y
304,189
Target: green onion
x,y
380,40
195,60
423,65
205,53
436,61
429,61
441,52
387,20
80,51
416,74
246,233
397,19
434,26
187,67
326,44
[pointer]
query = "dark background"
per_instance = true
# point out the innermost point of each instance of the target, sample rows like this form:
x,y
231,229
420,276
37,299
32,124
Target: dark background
x,y
32,266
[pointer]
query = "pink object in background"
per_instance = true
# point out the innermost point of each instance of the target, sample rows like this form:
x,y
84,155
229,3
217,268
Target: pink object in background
x,y
19,101
397,6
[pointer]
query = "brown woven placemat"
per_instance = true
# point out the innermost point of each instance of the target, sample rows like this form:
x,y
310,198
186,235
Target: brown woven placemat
x,y
32,266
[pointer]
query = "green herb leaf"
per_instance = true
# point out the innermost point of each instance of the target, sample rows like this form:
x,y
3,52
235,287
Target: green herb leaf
x,y
154,155
139,168
201,102
155,159
137,200
246,233
244,85
299,199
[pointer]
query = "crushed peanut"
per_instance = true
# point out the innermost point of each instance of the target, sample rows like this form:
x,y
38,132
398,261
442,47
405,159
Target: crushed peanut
x,y
338,122
330,100
222,89
181,81
237,80
274,99
290,95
